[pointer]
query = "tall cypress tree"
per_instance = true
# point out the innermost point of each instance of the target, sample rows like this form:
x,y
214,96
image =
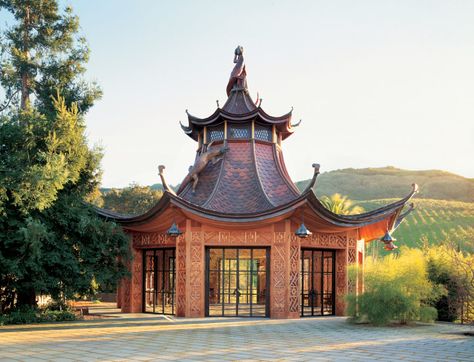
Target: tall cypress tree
x,y
51,240
43,54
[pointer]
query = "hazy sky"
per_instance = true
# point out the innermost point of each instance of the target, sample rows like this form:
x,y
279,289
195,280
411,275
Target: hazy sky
x,y
376,83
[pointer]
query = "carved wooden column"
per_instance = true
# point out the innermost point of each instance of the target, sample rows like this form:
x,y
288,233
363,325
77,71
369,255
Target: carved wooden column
x,y
126,288
181,276
281,271
294,286
352,261
341,281
137,281
194,272
278,276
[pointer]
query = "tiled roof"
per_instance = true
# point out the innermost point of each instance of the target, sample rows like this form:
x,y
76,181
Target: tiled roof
x,y
247,180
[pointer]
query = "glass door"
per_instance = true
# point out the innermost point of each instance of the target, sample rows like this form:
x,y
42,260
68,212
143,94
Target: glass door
x,y
237,282
317,282
159,281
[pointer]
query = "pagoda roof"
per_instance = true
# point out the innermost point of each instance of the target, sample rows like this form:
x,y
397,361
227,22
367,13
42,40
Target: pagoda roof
x,y
244,181
251,177
370,224
240,107
228,113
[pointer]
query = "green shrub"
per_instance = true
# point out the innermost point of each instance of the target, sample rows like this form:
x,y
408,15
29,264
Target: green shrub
x,y
428,314
27,315
396,289
22,315
58,316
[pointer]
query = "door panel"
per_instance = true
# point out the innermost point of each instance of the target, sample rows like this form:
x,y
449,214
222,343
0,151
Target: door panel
x,y
236,282
317,282
159,280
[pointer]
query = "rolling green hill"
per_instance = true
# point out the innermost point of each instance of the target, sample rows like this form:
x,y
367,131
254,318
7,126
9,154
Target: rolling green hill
x,y
391,182
435,220
444,205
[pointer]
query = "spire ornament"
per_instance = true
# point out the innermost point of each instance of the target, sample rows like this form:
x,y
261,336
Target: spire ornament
x,y
238,77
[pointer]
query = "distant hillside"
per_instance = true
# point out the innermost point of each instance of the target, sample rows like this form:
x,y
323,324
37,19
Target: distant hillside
x,y
435,220
158,187
391,182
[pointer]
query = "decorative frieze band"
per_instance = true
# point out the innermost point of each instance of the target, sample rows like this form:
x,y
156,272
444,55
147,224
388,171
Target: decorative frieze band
x,y
321,240
237,238
147,240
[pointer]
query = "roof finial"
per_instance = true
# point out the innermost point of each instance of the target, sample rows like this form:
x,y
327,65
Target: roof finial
x,y
238,77
293,125
316,167
217,102
163,181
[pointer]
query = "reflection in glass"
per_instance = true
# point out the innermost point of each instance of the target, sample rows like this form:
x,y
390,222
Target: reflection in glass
x,y
237,282
160,273
317,280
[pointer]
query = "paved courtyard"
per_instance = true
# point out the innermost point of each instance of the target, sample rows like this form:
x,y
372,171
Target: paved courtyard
x,y
144,337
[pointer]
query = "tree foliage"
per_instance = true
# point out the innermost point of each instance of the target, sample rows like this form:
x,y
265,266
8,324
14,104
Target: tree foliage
x,y
42,54
51,241
132,200
339,204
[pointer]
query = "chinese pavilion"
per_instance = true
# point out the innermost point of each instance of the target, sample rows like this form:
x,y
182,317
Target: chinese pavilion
x,y
238,238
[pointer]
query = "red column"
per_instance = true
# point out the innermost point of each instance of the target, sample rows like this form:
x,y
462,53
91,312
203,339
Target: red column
x,y
137,281
181,276
284,277
194,272
341,281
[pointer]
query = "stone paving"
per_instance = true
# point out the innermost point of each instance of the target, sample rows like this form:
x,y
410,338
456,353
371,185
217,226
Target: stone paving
x,y
144,337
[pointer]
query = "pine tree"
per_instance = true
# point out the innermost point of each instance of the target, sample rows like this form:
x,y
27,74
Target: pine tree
x,y
42,55
51,240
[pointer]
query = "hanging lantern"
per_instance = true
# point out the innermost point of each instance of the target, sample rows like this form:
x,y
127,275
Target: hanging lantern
x,y
302,231
388,241
174,231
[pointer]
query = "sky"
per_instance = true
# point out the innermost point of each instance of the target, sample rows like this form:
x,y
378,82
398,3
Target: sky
x,y
375,83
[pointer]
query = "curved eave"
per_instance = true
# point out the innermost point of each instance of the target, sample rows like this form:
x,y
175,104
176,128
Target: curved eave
x,y
219,112
283,123
389,212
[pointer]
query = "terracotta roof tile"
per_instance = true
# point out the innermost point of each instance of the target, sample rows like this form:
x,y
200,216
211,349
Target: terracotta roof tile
x,y
276,189
249,179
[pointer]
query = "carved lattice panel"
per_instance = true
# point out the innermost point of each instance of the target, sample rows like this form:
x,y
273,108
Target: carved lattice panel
x,y
322,240
150,240
137,280
237,238
196,277
180,276
215,133
238,131
341,281
278,271
263,133
294,291
352,252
